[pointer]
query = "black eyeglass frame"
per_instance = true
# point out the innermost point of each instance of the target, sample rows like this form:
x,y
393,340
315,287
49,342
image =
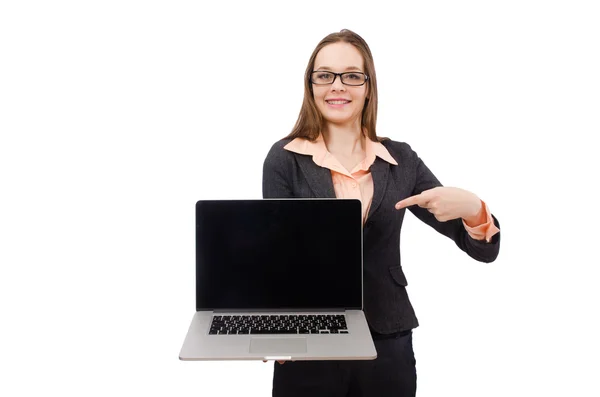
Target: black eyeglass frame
x,y
335,76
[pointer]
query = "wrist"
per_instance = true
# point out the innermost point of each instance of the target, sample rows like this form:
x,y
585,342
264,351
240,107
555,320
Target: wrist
x,y
477,216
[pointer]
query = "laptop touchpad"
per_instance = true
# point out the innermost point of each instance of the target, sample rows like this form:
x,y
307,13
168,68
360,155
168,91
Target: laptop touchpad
x,y
277,345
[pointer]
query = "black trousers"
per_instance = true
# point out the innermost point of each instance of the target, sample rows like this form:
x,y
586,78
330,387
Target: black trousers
x,y
391,374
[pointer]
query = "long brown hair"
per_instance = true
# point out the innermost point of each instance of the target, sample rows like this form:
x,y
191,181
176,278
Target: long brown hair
x,y
310,121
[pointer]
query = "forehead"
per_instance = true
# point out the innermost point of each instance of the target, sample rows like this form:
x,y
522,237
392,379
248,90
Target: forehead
x,y
339,56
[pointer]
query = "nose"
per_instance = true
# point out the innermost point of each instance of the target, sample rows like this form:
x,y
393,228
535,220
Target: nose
x,y
337,84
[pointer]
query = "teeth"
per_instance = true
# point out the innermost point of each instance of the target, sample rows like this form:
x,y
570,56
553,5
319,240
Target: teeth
x,y
337,102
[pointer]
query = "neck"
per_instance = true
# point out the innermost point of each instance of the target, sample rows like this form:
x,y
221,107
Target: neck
x,y
343,139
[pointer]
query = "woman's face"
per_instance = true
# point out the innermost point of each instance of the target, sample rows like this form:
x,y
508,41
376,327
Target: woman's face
x,y
339,103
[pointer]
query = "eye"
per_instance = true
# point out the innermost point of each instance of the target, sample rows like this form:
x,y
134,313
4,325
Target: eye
x,y
354,76
324,75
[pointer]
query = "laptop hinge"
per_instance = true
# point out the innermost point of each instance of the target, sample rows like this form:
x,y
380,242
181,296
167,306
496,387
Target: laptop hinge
x,y
280,310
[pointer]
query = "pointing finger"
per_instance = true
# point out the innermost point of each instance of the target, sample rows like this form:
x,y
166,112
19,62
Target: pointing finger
x,y
407,202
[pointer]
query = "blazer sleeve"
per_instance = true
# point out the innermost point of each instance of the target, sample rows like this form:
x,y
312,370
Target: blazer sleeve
x,y
276,171
479,250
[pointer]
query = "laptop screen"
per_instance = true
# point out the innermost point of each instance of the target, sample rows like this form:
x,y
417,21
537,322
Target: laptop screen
x,y
288,254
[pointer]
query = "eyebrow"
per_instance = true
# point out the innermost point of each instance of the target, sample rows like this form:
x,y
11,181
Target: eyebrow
x,y
327,68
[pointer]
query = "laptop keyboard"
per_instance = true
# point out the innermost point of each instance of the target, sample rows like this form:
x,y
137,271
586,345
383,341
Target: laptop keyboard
x,y
279,324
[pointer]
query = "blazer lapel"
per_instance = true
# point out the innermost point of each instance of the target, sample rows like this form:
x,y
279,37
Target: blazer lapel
x,y
380,171
318,178
320,181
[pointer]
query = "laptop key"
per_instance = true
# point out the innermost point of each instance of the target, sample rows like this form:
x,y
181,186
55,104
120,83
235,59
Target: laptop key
x,y
259,331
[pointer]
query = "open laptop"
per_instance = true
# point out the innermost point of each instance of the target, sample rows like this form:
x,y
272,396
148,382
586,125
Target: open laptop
x,y
278,279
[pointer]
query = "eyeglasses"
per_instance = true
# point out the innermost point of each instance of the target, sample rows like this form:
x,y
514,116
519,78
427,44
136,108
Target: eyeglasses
x,y
348,78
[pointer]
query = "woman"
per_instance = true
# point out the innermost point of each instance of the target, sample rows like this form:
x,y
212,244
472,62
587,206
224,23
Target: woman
x,y
333,151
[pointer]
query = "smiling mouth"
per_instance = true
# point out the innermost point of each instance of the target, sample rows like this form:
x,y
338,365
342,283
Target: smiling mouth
x,y
337,102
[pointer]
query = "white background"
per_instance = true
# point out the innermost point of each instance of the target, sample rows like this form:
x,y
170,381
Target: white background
x,y
117,116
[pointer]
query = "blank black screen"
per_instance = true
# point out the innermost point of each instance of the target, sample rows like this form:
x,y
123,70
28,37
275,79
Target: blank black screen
x,y
278,254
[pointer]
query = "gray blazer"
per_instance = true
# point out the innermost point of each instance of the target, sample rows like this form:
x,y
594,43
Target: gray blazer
x,y
386,304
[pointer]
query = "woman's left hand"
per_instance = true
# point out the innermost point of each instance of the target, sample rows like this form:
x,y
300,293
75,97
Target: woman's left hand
x,y
447,203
